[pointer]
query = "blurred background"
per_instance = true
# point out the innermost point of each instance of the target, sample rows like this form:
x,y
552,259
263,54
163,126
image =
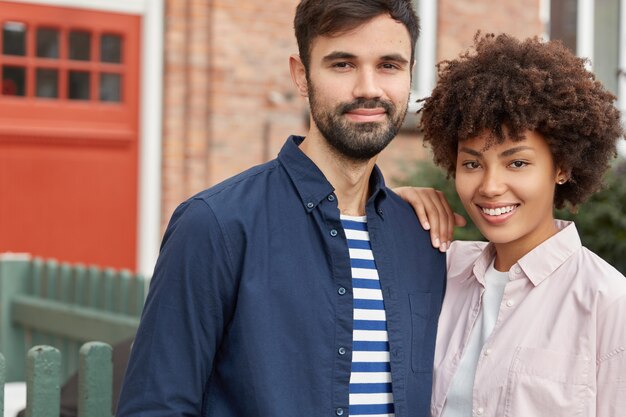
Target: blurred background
x,y
112,112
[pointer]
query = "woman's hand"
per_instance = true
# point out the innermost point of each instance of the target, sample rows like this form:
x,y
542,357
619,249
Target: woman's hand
x,y
433,212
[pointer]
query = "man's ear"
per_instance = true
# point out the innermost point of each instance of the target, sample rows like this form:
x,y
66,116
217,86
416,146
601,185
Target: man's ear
x,y
298,75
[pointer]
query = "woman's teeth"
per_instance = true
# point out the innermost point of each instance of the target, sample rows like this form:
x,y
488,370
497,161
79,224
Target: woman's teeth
x,y
497,211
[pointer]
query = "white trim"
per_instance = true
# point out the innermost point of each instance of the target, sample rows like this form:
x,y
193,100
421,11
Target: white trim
x,y
621,82
544,18
116,6
150,150
585,31
427,53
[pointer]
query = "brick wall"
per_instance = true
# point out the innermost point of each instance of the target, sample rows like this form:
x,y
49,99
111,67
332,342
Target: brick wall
x,y
458,21
229,100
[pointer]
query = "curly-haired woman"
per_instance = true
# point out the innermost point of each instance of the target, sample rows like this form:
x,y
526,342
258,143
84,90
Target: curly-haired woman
x,y
533,323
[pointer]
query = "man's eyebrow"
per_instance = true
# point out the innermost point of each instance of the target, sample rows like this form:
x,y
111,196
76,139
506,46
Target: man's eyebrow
x,y
347,55
338,55
396,58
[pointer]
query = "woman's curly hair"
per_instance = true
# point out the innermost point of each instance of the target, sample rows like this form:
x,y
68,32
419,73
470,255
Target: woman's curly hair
x,y
507,87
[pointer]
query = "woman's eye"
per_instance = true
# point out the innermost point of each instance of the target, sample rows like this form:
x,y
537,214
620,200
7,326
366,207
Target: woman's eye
x,y
518,164
471,165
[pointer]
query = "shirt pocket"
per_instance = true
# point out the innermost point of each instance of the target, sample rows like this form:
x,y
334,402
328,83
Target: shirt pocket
x,y
423,332
544,382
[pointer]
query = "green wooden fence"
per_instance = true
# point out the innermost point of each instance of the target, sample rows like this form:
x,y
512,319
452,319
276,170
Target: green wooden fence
x,y
43,302
43,381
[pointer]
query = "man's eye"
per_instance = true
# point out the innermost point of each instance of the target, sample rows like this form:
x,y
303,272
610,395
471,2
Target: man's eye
x,y
389,66
341,65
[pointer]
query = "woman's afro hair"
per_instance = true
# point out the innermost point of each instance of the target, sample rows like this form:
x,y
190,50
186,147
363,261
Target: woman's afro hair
x,y
506,87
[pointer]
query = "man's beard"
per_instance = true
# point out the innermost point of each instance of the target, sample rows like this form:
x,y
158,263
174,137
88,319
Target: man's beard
x,y
356,141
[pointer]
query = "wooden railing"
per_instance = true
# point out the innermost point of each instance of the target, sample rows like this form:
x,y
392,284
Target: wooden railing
x,y
43,302
43,381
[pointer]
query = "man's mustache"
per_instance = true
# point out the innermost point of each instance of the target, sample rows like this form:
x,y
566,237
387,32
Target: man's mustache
x,y
362,103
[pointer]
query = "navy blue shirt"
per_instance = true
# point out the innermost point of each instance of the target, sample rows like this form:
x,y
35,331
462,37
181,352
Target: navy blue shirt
x,y
249,311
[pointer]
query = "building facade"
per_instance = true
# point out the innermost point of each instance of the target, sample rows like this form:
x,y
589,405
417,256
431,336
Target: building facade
x,y
214,97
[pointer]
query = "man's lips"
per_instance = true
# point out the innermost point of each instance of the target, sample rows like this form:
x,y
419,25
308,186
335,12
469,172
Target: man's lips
x,y
367,115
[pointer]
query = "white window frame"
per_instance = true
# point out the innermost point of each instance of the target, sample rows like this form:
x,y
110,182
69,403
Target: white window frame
x,y
150,110
426,53
585,44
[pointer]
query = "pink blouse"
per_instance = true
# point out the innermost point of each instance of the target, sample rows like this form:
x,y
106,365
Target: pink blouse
x,y
558,348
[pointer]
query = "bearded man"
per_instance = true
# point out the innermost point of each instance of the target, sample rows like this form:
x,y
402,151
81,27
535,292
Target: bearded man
x,y
304,286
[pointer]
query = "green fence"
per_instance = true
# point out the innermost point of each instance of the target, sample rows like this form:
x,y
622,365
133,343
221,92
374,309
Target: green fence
x,y
43,302
43,381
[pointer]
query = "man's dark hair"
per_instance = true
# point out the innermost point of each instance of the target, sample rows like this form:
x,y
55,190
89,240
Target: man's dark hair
x,y
506,87
333,17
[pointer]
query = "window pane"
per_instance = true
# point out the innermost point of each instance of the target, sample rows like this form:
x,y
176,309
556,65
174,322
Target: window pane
x,y
14,38
606,43
563,22
79,82
47,43
13,81
111,48
47,83
80,46
110,87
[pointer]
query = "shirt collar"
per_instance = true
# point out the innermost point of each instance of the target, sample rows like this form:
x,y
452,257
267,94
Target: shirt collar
x,y
538,264
309,180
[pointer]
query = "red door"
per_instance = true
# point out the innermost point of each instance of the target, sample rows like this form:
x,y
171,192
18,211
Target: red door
x,y
69,133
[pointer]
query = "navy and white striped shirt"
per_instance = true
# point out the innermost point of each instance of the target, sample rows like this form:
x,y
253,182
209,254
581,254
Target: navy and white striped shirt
x,y
370,378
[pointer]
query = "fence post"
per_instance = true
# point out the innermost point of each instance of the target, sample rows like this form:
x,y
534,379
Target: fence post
x,y
43,382
14,273
2,381
95,380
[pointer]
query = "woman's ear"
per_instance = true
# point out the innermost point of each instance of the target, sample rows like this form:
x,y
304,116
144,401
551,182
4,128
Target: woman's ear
x,y
562,175
298,75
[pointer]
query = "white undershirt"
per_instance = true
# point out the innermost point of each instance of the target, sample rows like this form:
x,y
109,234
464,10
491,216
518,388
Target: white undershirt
x,y
459,399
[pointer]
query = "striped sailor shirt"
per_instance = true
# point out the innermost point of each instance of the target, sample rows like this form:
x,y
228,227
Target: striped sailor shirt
x,y
370,378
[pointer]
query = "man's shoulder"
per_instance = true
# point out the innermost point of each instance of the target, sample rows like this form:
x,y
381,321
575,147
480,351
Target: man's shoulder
x,y
230,198
250,183
401,208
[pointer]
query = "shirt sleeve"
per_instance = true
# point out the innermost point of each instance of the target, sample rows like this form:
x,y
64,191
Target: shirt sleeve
x,y
611,360
188,305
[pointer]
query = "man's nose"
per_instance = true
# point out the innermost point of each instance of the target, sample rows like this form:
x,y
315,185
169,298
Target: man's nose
x,y
367,85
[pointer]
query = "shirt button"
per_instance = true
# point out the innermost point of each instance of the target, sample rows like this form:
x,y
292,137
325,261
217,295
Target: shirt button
x,y
331,198
333,233
487,352
341,290
342,351
518,270
480,411
339,411
310,205
510,303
